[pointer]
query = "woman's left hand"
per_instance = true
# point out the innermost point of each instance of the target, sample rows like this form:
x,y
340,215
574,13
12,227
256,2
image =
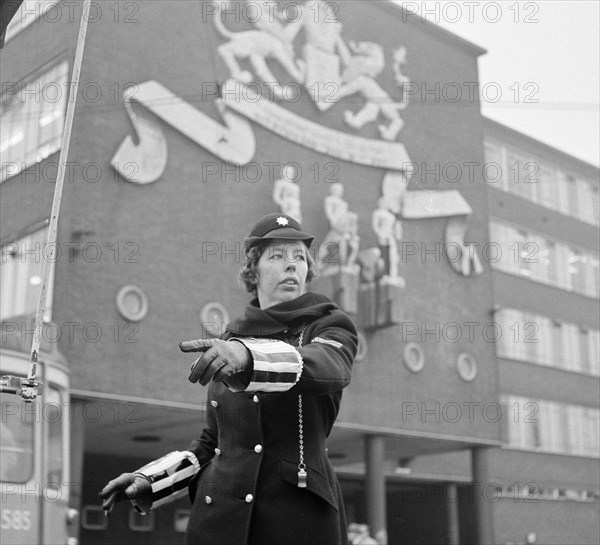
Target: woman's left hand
x,y
220,360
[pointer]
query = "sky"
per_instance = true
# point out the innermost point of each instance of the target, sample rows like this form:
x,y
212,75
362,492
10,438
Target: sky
x,y
542,62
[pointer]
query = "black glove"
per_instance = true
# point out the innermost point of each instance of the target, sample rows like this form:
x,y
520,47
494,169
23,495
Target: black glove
x,y
127,486
221,359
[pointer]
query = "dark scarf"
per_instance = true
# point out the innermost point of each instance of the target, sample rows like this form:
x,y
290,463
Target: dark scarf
x,y
281,317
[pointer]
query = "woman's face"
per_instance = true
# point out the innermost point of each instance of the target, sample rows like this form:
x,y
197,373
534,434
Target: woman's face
x,y
282,270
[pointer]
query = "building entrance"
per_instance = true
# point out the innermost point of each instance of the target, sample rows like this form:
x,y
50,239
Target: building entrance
x,y
432,513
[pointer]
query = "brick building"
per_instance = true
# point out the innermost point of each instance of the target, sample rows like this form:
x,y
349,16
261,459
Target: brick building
x,y
170,163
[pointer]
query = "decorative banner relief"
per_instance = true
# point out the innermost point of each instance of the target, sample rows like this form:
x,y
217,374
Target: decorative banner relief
x,y
233,142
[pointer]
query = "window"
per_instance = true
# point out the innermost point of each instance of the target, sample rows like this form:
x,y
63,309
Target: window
x,y
541,340
21,276
527,254
500,237
521,175
572,196
595,204
576,266
563,279
32,120
495,170
510,324
548,188
524,251
549,417
514,171
30,11
591,436
584,351
548,262
559,345
563,426
593,284
531,339
93,518
16,446
545,352
551,427
594,352
141,523
576,431
572,350
586,205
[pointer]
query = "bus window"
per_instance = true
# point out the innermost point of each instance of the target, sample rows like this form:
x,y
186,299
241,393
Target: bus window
x,y
53,415
16,439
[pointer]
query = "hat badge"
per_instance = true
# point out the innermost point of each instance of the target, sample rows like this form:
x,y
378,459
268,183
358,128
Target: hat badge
x,y
282,221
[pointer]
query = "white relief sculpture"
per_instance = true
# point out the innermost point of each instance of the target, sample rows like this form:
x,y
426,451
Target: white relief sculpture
x,y
271,40
145,162
399,57
386,224
286,193
335,70
232,141
362,68
449,204
466,261
330,70
323,52
343,231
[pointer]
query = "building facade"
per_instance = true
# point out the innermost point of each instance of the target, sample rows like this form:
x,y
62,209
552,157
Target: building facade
x,y
543,207
362,121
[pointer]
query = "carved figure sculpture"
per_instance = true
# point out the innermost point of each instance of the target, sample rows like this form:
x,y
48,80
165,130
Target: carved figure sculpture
x,y
343,229
388,229
286,193
272,39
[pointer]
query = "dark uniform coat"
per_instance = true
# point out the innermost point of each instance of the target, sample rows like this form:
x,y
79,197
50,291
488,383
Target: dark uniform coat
x,y
246,491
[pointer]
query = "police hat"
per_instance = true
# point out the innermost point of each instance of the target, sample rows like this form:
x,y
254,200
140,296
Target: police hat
x,y
277,226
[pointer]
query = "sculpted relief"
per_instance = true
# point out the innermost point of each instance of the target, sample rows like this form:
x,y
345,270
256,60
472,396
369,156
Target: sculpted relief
x,y
339,75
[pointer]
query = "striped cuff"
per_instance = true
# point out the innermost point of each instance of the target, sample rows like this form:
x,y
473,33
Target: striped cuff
x,y
170,476
277,366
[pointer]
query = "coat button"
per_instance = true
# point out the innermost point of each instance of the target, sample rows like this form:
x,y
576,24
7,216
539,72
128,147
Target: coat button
x,y
217,452
208,499
258,449
255,399
249,498
214,403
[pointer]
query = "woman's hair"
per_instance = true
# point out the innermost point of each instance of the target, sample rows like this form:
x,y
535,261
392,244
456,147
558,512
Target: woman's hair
x,y
248,276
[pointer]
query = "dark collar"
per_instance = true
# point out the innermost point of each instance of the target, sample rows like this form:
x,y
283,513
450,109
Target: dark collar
x,y
281,317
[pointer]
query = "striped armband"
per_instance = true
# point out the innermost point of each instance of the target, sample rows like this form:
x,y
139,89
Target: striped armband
x,y
170,476
276,365
321,340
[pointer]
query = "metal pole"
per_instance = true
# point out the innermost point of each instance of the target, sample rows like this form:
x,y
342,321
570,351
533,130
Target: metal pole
x,y
30,388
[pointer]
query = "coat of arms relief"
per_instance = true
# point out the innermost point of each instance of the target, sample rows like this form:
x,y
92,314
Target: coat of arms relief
x,y
339,75
329,68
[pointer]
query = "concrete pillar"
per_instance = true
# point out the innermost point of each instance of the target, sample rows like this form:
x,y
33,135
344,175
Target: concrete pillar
x,y
453,529
483,503
375,487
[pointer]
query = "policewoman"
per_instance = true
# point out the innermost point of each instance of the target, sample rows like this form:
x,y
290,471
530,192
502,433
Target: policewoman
x,y
259,473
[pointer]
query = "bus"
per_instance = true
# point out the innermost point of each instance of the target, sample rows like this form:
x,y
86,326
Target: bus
x,y
34,458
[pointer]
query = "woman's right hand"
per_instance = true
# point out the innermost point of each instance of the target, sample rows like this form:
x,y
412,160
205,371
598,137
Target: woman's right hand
x,y
127,486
